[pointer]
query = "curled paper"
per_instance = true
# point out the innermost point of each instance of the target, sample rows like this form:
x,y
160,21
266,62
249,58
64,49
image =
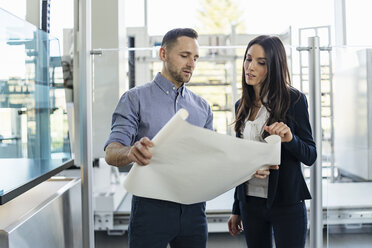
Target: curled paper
x,y
191,164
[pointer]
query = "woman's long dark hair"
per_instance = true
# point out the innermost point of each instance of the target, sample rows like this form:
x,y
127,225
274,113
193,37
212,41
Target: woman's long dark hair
x,y
275,90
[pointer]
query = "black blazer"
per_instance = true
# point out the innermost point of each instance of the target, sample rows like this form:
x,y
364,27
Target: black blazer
x,y
287,185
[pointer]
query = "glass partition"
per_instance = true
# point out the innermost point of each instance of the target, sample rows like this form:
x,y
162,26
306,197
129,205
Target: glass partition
x,y
347,195
34,140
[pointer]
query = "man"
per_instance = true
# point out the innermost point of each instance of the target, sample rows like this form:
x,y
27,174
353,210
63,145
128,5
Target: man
x,y
140,114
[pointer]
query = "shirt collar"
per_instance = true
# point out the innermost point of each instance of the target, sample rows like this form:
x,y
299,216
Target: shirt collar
x,y
167,86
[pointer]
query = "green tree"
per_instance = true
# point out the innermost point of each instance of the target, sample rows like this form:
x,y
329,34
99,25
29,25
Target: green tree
x,y
217,16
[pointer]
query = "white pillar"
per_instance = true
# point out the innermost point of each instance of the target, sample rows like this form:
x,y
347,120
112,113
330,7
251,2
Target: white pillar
x,y
142,64
33,12
340,23
108,32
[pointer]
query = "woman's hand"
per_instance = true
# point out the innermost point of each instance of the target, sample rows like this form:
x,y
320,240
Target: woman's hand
x,y
235,224
263,173
281,129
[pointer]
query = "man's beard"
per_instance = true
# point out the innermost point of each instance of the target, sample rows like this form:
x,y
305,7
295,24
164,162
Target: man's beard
x,y
178,76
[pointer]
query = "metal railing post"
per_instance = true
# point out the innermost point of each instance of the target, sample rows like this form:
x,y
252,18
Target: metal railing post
x,y
85,120
316,209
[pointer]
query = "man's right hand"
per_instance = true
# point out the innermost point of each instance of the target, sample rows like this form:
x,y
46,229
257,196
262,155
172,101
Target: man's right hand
x,y
140,152
120,155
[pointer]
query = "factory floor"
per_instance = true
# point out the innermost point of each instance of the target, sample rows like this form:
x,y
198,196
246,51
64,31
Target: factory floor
x,y
333,238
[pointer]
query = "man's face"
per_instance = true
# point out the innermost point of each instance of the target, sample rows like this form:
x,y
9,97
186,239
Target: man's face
x,y
180,60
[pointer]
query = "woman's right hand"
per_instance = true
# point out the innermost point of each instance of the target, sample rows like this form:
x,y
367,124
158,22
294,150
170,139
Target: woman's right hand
x,y
235,224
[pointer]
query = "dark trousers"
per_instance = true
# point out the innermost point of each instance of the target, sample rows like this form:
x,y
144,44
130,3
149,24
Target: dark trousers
x,y
157,223
287,222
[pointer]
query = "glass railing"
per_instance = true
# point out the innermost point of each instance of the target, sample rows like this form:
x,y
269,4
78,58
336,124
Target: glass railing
x,y
347,199
34,138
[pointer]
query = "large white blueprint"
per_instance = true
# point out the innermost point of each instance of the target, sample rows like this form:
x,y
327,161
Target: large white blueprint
x,y
191,164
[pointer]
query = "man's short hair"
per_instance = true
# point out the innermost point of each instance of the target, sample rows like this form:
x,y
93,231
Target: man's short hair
x,y
171,36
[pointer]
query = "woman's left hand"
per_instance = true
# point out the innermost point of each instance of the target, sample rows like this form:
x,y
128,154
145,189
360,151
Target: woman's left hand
x,y
281,129
263,173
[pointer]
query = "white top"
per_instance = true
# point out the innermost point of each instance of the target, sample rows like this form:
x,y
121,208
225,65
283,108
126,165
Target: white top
x,y
253,131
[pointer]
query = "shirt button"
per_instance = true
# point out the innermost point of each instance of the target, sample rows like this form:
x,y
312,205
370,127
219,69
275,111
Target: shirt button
x,y
174,88
167,92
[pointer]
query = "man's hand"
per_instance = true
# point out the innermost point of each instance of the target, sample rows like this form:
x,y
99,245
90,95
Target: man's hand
x,y
140,152
235,224
120,155
281,129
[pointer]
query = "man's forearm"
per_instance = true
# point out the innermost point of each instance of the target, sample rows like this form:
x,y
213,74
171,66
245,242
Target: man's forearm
x,y
117,154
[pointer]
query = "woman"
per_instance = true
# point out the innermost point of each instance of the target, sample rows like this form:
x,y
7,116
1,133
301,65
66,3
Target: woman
x,y
269,105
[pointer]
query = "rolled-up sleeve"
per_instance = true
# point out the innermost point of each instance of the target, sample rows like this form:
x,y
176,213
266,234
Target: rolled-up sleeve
x,y
125,120
209,122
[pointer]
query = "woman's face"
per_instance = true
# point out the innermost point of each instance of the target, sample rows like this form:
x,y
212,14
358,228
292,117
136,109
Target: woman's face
x,y
255,66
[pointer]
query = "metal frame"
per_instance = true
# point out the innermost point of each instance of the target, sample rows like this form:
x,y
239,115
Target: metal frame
x,y
316,221
316,218
85,118
323,78
33,218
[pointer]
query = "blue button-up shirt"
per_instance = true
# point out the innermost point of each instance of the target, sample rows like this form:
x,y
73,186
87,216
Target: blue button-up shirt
x,y
144,110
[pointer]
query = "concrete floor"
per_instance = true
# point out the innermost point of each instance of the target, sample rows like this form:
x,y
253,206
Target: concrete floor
x,y
339,239
215,240
333,236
